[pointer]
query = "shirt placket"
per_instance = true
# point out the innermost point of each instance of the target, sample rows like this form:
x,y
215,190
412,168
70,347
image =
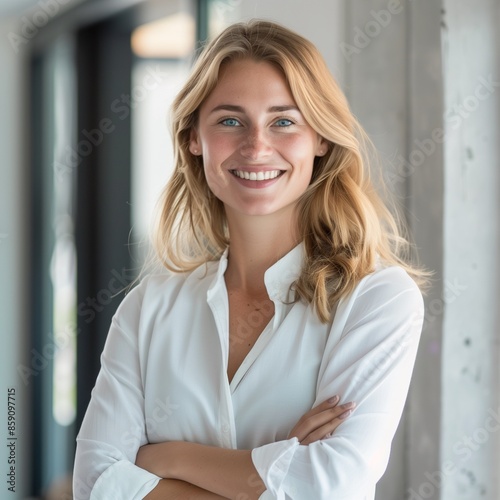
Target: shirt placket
x,y
217,301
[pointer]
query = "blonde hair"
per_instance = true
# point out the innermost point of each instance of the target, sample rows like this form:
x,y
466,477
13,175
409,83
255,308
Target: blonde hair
x,y
342,221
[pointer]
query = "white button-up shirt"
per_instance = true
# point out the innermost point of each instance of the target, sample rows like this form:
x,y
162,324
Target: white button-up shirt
x,y
164,377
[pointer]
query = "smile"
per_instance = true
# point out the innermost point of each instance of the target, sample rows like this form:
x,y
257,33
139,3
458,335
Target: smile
x,y
257,176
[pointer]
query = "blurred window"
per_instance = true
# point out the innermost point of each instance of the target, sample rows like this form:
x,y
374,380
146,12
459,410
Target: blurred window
x,y
163,51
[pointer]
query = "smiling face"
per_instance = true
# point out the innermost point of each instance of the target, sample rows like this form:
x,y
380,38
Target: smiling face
x,y
258,150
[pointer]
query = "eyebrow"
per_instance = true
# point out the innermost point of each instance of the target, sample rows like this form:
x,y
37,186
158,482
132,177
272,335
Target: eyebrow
x,y
240,109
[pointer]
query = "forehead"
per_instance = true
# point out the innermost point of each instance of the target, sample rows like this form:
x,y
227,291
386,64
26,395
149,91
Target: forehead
x,y
249,80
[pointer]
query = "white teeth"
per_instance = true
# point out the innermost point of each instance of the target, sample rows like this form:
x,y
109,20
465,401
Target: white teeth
x,y
257,176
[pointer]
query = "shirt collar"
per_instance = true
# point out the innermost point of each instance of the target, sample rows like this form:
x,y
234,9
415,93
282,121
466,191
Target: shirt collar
x,y
277,278
283,273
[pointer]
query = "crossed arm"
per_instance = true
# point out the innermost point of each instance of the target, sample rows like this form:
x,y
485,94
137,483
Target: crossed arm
x,y
194,471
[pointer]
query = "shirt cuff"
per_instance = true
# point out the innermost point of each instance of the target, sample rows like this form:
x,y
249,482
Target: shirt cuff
x,y
124,480
272,462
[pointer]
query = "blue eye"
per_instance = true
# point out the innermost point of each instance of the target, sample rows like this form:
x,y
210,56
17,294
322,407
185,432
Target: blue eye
x,y
230,122
284,122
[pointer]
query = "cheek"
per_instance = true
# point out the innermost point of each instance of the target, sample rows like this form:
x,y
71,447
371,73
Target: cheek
x,y
215,176
219,145
217,151
301,155
215,181
300,148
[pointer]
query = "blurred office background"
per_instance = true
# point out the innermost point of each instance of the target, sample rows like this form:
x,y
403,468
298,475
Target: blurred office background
x,y
85,89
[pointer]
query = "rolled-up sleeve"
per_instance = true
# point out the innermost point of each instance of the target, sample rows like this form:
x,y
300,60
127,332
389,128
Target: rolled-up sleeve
x,y
114,426
368,359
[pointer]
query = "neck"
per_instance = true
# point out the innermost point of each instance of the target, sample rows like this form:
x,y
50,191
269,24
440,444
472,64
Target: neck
x,y
256,243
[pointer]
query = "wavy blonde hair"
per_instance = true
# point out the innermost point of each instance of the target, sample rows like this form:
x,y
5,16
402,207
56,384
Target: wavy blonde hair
x,y
342,220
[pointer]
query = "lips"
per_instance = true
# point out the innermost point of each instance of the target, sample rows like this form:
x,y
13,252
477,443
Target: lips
x,y
262,175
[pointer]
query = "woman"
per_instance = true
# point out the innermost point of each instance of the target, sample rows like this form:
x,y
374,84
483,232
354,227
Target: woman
x,y
273,360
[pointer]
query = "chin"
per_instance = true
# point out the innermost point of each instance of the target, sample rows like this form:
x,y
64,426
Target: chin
x,y
260,209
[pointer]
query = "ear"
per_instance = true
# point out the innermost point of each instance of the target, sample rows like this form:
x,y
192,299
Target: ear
x,y
194,142
322,147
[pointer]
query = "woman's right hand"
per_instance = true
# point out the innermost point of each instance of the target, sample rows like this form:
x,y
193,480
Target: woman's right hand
x,y
321,421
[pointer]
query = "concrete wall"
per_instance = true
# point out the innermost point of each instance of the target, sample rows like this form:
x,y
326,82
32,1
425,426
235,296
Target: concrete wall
x,y
471,412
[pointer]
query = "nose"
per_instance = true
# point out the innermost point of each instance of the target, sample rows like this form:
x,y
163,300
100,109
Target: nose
x,y
255,145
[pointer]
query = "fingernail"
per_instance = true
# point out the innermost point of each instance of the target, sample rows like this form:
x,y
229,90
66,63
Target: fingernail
x,y
333,400
345,414
351,405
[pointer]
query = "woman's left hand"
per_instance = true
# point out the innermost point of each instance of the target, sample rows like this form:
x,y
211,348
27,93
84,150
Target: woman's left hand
x,y
321,421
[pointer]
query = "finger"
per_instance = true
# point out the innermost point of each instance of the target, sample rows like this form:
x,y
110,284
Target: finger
x,y
325,405
313,422
327,429
310,423
307,421
329,403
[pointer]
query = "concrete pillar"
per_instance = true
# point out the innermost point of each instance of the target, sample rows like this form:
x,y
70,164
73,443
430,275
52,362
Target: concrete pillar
x,y
423,170
470,404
